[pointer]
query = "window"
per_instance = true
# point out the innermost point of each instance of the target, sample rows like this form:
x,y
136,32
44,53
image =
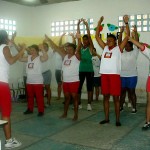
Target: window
x,y
8,25
142,21
70,26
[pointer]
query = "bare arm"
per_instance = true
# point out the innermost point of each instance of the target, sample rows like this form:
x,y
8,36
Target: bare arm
x,y
98,39
126,20
120,35
137,43
89,35
135,33
78,53
60,40
60,50
73,38
12,59
125,40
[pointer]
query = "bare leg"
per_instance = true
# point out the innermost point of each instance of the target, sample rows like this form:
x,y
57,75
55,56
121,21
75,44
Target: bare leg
x,y
66,105
122,97
106,106
97,93
117,109
75,100
48,91
59,89
90,96
132,96
148,108
7,128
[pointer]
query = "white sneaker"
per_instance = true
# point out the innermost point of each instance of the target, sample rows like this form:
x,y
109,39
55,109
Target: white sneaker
x,y
129,105
124,105
89,108
12,143
80,106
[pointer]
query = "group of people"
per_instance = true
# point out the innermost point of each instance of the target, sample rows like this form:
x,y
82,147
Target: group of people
x,y
110,71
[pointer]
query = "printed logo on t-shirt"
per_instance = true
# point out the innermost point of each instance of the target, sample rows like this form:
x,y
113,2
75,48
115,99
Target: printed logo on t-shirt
x,y
107,55
67,62
30,65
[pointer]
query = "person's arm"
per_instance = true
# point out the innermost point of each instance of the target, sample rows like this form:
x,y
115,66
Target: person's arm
x,y
13,41
58,49
73,38
135,33
88,33
125,40
60,40
137,43
126,21
12,59
120,35
98,38
78,52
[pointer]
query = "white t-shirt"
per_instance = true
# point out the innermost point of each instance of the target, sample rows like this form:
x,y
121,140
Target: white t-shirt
x,y
96,65
58,61
47,64
111,61
70,68
33,70
129,63
4,66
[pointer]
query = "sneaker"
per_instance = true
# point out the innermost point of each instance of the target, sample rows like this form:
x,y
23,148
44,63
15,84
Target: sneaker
x,y
12,143
80,106
89,108
124,105
133,111
47,105
28,111
129,105
146,126
40,114
121,110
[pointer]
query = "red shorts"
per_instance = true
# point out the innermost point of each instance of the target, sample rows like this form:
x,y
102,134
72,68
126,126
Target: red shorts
x,y
111,84
5,99
71,87
148,84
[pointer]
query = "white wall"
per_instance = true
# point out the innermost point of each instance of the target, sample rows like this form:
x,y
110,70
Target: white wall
x,y
36,21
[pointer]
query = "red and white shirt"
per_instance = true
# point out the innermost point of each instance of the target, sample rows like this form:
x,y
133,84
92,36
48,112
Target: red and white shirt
x,y
33,70
111,61
70,68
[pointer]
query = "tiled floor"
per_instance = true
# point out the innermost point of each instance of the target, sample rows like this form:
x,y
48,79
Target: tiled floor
x,y
52,133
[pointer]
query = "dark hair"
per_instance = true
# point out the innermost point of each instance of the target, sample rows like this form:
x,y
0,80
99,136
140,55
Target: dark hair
x,y
71,45
85,36
130,43
112,36
35,47
3,37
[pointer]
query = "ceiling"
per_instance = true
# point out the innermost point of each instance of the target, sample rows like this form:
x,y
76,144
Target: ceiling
x,y
33,3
